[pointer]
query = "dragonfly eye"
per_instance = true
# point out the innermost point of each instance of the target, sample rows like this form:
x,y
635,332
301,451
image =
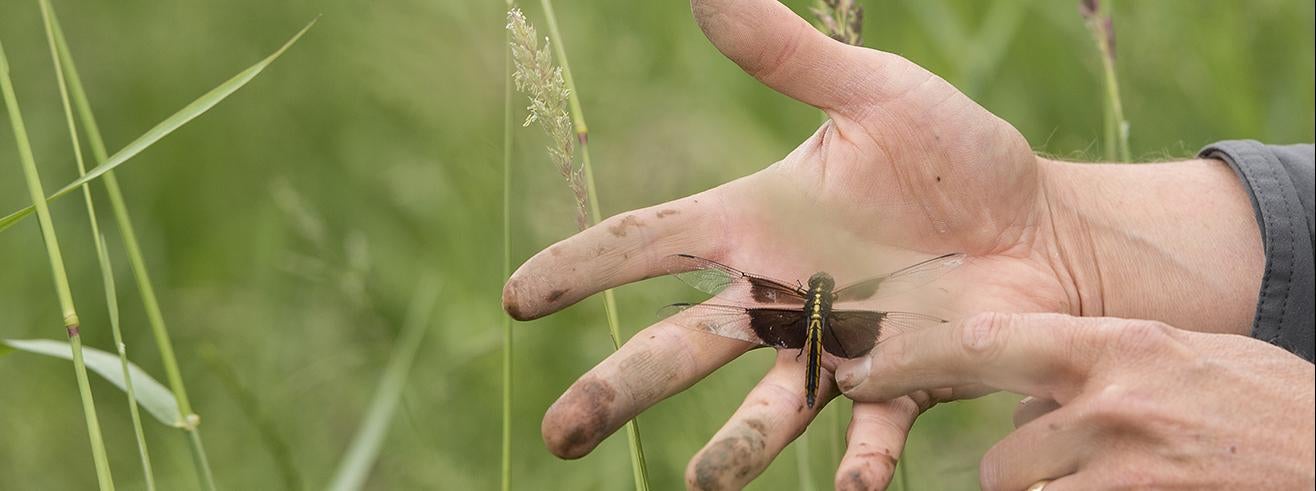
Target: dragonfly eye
x,y
821,280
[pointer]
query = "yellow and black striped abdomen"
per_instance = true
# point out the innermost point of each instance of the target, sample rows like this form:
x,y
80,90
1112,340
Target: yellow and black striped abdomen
x,y
813,373
814,307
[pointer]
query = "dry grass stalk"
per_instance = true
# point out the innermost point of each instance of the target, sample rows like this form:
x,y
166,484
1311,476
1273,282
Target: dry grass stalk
x,y
537,77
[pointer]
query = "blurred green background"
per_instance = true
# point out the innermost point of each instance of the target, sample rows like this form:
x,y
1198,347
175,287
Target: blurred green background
x,y
288,227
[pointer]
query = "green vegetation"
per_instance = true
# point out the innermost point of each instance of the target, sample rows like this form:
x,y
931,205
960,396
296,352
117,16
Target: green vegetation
x,y
286,230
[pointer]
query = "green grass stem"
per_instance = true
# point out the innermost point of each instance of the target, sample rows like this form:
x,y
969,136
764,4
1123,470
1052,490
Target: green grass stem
x,y
141,274
638,466
136,260
62,291
102,256
506,467
1116,127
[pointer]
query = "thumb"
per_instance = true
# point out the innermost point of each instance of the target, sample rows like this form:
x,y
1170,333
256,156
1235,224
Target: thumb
x,y
784,52
1042,355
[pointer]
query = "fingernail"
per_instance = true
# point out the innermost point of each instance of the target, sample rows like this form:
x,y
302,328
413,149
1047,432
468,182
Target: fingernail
x,y
853,374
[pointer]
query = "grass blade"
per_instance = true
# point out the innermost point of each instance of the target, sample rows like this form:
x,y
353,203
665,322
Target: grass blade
x,y
360,457
151,395
103,258
126,367
56,258
124,221
164,128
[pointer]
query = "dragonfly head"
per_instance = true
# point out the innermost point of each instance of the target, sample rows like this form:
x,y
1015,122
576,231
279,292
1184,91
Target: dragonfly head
x,y
822,280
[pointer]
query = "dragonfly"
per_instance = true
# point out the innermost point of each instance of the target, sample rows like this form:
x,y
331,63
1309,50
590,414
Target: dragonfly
x,y
774,313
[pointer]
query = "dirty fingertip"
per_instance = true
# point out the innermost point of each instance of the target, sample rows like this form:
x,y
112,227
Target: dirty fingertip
x,y
512,300
580,419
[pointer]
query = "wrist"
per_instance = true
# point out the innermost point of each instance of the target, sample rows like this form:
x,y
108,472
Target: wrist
x,y
1176,242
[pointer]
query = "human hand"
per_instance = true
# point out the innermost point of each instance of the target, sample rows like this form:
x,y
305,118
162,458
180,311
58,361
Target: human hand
x,y
907,167
1115,403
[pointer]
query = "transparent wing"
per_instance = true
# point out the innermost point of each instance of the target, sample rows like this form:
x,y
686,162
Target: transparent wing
x,y
853,333
900,281
715,278
779,328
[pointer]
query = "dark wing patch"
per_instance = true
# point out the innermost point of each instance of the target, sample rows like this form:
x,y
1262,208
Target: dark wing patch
x,y
715,278
853,333
778,328
900,281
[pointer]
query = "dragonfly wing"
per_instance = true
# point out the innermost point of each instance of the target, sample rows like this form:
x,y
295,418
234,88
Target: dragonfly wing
x,y
715,278
900,281
853,333
776,327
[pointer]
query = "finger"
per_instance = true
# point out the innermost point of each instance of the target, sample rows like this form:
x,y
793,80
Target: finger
x,y
624,248
874,443
1050,447
1030,408
1045,355
773,414
657,362
783,51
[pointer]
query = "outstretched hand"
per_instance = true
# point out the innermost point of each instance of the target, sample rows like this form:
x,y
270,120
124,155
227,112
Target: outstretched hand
x,y
906,168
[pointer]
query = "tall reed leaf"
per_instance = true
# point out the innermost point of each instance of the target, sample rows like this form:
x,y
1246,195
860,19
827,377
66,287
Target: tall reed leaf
x,y
151,394
360,457
177,120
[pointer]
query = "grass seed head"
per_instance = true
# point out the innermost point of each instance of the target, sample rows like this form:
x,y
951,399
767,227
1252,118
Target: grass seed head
x,y
842,20
541,80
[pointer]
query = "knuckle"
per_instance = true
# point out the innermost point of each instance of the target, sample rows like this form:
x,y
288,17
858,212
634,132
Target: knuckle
x,y
897,356
1142,336
1115,407
897,422
983,337
991,469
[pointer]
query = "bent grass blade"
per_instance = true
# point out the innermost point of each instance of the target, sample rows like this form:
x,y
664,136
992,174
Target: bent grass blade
x,y
151,395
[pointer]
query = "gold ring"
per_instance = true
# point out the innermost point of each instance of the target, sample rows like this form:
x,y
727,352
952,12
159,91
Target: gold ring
x,y
1039,485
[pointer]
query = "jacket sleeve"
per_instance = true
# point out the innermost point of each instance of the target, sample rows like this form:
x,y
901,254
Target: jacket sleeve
x,y
1280,180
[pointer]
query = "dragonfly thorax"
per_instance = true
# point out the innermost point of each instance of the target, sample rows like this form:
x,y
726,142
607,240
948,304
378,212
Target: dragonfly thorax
x,y
821,281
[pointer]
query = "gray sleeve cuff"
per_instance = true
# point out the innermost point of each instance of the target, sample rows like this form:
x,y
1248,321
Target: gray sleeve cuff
x,y
1280,181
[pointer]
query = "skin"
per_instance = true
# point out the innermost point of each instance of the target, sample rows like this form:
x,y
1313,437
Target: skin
x,y
906,168
1116,403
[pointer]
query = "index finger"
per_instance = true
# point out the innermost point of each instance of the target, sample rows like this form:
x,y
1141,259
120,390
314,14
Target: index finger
x,y
622,249
1042,355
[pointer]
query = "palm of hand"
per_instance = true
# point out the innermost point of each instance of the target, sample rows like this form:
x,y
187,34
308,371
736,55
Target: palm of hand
x,y
935,173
